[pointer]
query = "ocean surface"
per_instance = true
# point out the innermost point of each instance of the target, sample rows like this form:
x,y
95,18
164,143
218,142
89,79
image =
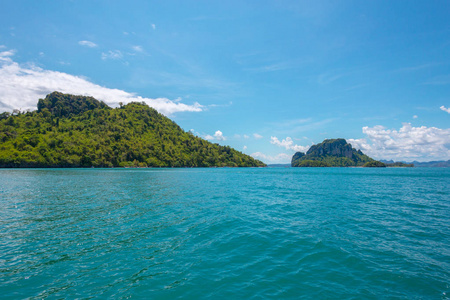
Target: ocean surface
x,y
231,233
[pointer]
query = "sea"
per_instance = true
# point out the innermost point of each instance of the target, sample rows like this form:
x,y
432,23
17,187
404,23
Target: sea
x,y
225,233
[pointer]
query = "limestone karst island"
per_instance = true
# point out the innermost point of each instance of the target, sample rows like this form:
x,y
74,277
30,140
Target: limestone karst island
x,y
333,153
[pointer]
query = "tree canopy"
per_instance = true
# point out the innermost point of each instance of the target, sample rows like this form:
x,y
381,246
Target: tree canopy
x,y
78,131
374,164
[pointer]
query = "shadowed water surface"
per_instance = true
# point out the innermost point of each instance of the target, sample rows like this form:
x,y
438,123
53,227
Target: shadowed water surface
x,y
225,233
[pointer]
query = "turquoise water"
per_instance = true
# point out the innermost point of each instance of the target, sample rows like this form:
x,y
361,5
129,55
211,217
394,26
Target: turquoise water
x,y
279,233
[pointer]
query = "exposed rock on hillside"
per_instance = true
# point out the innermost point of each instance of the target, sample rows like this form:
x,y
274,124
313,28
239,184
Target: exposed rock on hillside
x,y
330,153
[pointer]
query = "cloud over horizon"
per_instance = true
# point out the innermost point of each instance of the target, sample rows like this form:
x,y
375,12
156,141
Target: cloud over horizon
x,y
21,86
288,144
280,158
408,143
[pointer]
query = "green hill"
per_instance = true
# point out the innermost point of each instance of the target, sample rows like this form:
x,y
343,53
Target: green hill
x,y
330,153
77,131
374,164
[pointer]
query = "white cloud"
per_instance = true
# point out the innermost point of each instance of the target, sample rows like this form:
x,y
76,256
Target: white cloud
x,y
415,117
288,144
257,136
153,26
5,55
22,86
281,158
246,136
138,48
407,143
445,109
88,44
112,54
245,148
219,136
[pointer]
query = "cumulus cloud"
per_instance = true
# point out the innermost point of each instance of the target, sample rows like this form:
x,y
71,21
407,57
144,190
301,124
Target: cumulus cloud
x,y
88,44
281,158
407,143
245,148
288,144
257,136
22,86
219,136
445,109
112,54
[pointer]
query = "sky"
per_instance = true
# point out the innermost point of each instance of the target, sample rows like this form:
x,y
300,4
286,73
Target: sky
x,y
267,78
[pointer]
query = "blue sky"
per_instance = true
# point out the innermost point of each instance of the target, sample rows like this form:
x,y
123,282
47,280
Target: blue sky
x,y
266,77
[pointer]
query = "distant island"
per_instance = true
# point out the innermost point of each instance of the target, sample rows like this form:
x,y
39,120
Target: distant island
x,y
428,164
79,131
333,153
398,164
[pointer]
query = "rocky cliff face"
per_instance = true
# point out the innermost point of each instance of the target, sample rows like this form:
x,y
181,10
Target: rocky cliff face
x,y
333,153
337,147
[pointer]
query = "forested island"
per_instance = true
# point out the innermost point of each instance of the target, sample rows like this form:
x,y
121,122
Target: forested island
x,y
399,164
79,131
333,153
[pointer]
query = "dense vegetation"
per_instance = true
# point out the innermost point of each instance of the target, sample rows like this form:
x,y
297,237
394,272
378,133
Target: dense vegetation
x,y
77,131
374,164
312,163
330,153
63,105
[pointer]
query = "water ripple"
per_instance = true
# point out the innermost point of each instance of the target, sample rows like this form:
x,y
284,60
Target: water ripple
x,y
225,233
